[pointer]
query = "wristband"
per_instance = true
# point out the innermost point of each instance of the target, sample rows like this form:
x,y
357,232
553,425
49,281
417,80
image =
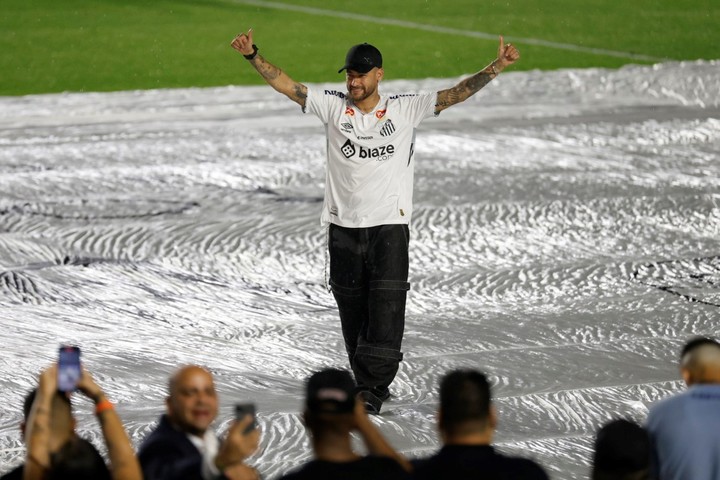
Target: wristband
x,y
103,406
253,54
492,67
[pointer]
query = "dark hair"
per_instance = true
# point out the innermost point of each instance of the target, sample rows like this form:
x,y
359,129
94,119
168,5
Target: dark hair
x,y
622,451
464,397
78,459
696,342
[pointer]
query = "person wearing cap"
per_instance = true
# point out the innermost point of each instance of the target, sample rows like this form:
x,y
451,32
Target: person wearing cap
x,y
466,422
331,414
685,428
368,196
622,452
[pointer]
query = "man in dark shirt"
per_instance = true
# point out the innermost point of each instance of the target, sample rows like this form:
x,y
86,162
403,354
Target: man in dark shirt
x,y
331,414
467,422
184,445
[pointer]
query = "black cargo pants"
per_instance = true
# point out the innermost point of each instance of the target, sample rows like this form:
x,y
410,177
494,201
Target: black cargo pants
x,y
368,277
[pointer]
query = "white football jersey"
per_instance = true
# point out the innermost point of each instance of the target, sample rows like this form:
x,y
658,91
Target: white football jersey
x,y
369,173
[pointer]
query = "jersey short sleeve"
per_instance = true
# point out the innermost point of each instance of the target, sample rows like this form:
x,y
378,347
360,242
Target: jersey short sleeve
x,y
322,102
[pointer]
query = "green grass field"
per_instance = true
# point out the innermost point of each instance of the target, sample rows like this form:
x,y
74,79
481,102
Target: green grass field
x,y
105,45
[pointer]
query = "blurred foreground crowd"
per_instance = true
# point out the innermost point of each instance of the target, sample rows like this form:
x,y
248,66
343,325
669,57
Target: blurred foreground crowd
x,y
679,440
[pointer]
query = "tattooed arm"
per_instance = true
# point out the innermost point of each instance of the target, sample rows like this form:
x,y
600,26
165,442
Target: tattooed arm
x,y
276,78
38,434
125,465
507,55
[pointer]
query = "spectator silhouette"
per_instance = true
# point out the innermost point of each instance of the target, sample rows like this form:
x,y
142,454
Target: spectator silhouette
x,y
54,451
467,421
685,428
184,446
332,412
17,472
622,452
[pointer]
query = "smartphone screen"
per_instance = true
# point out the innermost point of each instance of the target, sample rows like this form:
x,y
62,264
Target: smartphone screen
x,y
68,368
243,409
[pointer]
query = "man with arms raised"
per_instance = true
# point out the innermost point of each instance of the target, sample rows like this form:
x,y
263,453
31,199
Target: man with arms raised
x,y
685,429
183,446
368,197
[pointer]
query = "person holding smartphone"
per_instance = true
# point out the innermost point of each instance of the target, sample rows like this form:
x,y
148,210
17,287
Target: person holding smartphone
x,y
54,450
333,412
184,445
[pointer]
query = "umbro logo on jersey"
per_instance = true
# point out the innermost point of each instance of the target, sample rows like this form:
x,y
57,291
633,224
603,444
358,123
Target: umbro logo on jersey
x,y
387,129
380,154
347,126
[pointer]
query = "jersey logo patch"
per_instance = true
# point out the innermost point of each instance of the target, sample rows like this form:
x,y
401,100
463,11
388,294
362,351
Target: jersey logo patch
x,y
348,149
380,113
349,111
387,129
380,154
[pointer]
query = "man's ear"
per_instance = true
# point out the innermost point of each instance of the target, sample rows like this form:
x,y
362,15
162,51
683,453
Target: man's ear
x,y
168,405
441,431
493,418
380,74
687,376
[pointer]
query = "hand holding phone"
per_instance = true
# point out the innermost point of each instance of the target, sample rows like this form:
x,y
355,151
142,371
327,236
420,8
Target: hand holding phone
x,y
68,368
244,409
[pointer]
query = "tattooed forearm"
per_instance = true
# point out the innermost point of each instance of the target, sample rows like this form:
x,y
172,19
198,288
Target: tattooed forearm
x,y
463,90
268,71
300,92
280,81
476,82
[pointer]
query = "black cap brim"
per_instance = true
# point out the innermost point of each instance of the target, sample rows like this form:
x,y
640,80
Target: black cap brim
x,y
357,68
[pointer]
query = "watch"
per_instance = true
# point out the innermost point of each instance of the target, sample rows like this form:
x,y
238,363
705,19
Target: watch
x,y
253,54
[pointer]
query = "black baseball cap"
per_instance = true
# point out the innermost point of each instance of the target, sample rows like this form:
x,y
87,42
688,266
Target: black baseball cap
x,y
362,58
330,391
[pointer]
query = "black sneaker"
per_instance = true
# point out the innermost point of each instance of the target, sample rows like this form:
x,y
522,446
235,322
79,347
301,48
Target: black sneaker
x,y
382,393
373,403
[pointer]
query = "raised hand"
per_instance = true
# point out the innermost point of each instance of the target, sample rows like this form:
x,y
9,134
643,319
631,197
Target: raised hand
x,y
88,387
238,445
243,43
507,54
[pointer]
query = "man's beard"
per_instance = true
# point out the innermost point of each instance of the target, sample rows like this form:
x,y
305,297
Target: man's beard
x,y
362,94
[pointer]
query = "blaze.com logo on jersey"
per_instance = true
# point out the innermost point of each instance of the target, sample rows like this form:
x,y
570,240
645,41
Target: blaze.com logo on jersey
x,y
380,154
